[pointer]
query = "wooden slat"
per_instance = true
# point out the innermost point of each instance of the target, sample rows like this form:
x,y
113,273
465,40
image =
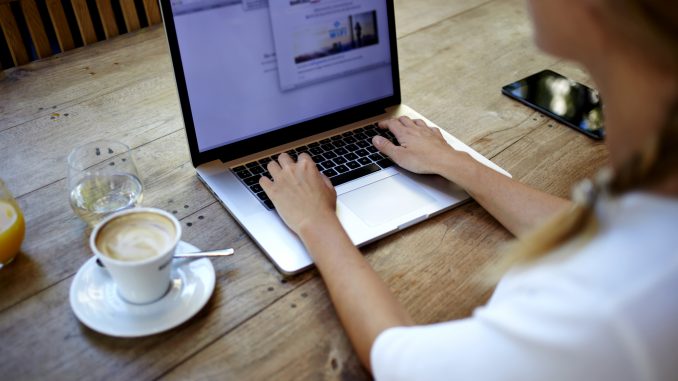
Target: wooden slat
x,y
152,12
129,12
107,18
36,28
84,21
61,28
12,35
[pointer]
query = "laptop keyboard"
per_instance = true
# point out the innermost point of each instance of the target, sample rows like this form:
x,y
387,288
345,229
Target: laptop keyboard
x,y
342,158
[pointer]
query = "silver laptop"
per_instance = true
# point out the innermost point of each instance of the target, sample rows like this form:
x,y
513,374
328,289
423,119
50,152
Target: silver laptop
x,y
256,78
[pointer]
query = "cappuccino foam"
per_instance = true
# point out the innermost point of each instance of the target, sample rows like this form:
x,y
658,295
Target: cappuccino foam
x,y
136,236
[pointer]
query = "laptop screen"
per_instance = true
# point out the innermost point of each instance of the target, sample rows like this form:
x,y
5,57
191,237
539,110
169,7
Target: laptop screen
x,y
255,66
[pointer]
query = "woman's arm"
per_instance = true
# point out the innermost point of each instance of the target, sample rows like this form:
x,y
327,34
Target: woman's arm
x,y
306,201
423,150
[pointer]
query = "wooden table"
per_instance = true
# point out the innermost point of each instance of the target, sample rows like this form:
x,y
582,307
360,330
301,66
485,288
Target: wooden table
x,y
454,58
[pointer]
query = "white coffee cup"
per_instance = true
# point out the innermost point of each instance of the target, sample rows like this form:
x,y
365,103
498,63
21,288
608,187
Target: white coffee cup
x,y
136,247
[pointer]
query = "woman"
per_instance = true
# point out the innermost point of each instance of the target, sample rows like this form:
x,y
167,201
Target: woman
x,y
591,293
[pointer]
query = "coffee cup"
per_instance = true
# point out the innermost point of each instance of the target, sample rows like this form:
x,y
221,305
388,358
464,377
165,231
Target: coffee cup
x,y
136,247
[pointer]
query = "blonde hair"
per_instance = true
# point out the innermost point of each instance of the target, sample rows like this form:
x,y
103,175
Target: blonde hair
x,y
650,25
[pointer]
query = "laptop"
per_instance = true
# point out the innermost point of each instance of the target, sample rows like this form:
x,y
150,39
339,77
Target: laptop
x,y
256,78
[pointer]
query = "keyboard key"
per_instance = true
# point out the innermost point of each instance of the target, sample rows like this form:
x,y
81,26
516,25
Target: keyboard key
x,y
239,169
358,130
265,161
257,170
339,143
329,155
269,204
266,174
314,144
350,156
372,149
320,167
330,172
256,188
243,174
262,196
354,174
302,149
341,168
364,161
340,160
318,158
327,147
363,144
349,140
385,163
336,137
341,151
324,141
353,165
362,152
328,164
252,164
351,147
251,180
316,150
360,136
347,133
371,133
376,156
291,152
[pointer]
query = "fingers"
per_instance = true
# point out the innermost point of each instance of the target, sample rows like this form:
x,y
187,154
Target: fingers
x,y
273,168
327,181
406,121
420,123
385,146
393,125
285,160
266,184
305,159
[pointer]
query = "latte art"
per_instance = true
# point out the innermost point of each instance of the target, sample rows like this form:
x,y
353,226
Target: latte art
x,y
136,236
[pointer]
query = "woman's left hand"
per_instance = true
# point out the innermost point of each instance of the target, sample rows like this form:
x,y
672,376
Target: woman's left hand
x,y
302,196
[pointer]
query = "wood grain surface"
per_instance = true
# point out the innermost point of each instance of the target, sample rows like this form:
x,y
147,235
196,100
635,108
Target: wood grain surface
x,y
60,25
84,19
10,30
107,16
36,28
129,13
454,58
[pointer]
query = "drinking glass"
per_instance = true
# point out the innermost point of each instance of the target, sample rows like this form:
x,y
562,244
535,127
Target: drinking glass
x,y
12,226
102,179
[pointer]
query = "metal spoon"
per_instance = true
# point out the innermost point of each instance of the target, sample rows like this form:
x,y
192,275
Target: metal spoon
x,y
199,254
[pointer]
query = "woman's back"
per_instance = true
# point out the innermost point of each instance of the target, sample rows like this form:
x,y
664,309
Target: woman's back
x,y
597,308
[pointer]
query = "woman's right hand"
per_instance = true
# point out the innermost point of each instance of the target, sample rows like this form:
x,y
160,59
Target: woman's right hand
x,y
422,148
302,196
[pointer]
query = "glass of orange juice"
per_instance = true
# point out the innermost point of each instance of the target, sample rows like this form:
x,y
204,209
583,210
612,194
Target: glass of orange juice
x,y
12,227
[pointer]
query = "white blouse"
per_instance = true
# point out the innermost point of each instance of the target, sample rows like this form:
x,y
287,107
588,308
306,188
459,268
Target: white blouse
x,y
604,309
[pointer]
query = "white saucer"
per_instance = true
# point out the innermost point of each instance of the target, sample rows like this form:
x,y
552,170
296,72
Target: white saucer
x,y
95,300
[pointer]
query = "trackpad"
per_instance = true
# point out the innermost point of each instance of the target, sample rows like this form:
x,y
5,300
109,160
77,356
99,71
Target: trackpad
x,y
386,200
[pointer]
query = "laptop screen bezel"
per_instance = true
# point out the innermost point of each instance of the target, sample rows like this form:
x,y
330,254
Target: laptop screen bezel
x,y
280,136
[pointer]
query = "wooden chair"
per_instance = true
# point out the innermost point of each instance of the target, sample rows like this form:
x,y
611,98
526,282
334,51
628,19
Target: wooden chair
x,y
27,25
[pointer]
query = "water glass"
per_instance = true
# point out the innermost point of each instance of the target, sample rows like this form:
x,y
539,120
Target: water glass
x,y
102,179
